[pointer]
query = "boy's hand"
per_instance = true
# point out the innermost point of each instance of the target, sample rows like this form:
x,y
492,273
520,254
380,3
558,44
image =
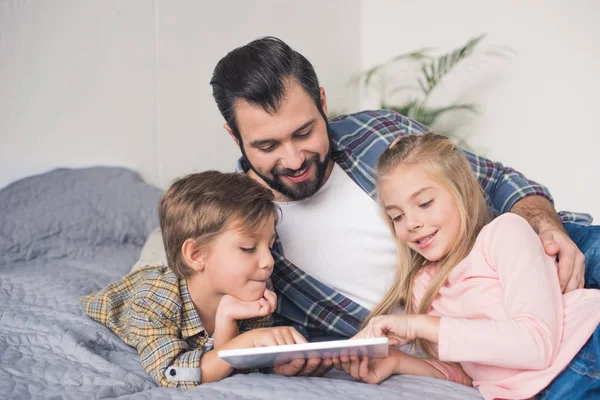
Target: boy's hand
x,y
235,309
276,336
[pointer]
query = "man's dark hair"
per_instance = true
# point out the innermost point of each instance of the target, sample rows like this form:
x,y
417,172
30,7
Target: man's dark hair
x,y
258,73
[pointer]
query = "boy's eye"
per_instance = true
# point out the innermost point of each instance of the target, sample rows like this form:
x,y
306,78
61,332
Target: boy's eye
x,y
426,204
397,218
248,249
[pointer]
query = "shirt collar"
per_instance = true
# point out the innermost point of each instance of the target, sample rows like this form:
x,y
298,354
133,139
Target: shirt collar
x,y
191,324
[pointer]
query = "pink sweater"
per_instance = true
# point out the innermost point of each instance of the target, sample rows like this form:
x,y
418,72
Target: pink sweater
x,y
504,318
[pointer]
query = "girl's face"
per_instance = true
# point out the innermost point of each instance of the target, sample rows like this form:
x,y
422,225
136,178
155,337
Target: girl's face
x,y
424,214
240,263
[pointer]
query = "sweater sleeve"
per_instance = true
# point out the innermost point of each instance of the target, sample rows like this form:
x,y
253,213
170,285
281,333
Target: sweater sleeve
x,y
530,335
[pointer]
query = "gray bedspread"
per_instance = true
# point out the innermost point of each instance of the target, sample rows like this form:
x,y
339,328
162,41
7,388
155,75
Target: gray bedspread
x,y
70,232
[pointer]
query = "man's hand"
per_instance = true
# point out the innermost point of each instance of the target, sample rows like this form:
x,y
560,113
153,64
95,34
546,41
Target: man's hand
x,y
367,370
542,217
282,335
300,367
571,261
235,309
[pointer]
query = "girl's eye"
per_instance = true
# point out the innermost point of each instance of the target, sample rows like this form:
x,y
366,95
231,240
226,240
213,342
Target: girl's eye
x,y
426,204
248,249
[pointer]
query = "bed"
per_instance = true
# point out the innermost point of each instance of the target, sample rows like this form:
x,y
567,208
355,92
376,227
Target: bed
x,y
70,232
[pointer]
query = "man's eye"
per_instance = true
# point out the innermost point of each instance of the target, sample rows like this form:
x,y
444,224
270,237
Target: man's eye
x,y
248,249
303,135
426,204
268,149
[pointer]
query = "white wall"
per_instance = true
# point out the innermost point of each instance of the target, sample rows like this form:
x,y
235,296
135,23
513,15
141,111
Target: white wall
x,y
88,82
539,107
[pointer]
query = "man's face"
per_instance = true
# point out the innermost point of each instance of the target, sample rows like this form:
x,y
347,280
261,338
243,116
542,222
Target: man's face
x,y
287,150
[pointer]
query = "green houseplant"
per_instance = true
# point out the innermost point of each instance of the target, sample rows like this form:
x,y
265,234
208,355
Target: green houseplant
x,y
415,98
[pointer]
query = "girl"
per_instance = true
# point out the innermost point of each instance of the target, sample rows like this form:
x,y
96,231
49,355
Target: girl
x,y
479,293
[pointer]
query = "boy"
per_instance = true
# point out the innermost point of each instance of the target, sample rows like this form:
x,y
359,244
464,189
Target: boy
x,y
215,294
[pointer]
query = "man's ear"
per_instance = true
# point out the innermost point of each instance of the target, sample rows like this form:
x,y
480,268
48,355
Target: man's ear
x,y
323,100
230,131
193,255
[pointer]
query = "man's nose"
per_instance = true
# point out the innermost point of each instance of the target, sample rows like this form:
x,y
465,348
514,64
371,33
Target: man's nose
x,y
293,157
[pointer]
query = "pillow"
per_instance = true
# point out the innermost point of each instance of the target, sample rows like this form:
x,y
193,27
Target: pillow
x,y
61,212
153,252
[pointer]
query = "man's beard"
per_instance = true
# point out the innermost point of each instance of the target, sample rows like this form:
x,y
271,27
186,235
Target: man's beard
x,y
300,190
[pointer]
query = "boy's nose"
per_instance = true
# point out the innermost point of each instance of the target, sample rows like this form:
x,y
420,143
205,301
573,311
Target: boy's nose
x,y
267,261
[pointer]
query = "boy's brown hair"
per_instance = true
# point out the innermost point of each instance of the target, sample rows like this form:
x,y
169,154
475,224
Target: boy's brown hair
x,y
202,205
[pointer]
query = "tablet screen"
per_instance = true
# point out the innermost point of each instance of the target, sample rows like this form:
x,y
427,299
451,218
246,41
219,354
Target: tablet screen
x,y
257,357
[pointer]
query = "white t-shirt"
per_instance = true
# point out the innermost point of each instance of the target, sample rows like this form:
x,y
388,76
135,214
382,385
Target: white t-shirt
x,y
340,237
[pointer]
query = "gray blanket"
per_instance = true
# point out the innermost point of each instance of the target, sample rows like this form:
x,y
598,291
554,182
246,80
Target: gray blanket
x,y
70,232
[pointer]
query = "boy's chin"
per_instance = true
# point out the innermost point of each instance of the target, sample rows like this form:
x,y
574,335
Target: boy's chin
x,y
253,295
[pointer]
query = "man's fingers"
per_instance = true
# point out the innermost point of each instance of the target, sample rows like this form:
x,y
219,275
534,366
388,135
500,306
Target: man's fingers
x,y
346,367
309,366
566,263
354,367
551,248
289,369
363,370
337,364
577,280
580,266
323,367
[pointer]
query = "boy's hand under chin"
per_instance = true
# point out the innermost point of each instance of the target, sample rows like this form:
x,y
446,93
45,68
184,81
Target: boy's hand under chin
x,y
235,309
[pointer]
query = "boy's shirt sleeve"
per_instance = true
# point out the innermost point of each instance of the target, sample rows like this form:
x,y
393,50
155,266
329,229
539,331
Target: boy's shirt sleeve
x,y
162,349
152,311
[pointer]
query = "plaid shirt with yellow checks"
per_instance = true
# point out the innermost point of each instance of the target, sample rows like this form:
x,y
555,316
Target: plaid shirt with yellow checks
x,y
151,310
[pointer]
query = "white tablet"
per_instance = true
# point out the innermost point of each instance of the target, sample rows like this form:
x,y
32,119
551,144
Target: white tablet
x,y
256,357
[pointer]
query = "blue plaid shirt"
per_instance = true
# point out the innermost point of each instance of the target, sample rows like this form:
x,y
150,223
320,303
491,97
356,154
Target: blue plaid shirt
x,y
358,140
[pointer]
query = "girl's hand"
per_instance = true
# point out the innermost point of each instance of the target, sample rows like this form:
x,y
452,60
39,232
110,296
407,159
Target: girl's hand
x,y
367,370
400,329
234,309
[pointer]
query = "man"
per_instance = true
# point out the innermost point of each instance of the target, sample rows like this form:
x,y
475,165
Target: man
x,y
339,254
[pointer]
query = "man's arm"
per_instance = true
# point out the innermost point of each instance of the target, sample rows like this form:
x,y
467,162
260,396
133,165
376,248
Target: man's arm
x,y
542,217
508,190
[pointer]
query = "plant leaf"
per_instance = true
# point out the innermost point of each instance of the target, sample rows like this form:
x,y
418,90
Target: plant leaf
x,y
435,70
366,76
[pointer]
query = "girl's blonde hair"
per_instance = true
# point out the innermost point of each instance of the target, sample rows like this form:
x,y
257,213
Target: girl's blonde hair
x,y
445,164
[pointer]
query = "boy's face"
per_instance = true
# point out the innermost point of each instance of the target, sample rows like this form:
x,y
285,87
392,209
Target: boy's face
x,y
240,263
